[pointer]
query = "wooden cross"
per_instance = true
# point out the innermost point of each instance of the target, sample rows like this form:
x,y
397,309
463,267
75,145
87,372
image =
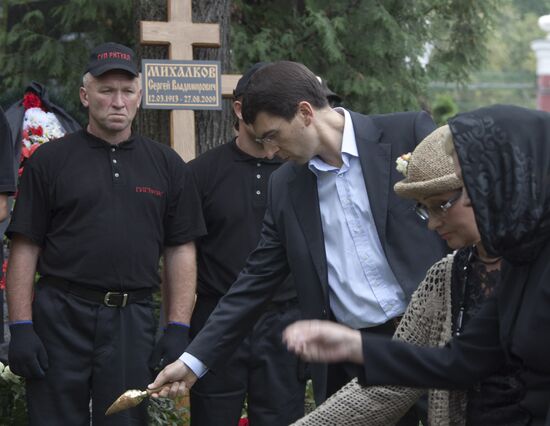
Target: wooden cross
x,y
181,34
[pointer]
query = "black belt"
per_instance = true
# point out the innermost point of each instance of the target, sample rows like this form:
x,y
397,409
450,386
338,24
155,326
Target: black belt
x,y
388,327
112,299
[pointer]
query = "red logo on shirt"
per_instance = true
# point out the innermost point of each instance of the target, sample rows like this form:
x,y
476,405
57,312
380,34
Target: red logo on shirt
x,y
147,190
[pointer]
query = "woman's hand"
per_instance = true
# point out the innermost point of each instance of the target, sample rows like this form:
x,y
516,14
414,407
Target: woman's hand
x,y
324,341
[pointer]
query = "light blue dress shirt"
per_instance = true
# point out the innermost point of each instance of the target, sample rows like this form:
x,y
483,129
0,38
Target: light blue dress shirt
x,y
363,291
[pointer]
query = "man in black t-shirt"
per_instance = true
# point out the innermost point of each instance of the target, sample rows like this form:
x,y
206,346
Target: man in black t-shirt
x,y
95,211
232,183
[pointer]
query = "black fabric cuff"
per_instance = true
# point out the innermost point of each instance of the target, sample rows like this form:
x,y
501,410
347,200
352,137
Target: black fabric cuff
x,y
25,232
7,189
173,242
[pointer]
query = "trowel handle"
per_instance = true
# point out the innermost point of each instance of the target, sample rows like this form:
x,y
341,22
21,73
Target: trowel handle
x,y
154,390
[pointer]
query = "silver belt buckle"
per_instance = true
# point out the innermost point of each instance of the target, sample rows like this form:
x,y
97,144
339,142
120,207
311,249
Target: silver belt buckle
x,y
106,299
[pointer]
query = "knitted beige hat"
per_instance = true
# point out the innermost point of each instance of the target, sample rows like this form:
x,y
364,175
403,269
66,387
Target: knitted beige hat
x,y
428,170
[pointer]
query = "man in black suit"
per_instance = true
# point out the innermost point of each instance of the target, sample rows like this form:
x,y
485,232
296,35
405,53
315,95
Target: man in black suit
x,y
355,249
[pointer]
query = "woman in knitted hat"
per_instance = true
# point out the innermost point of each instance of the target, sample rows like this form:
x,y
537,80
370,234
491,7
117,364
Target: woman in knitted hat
x,y
503,156
451,293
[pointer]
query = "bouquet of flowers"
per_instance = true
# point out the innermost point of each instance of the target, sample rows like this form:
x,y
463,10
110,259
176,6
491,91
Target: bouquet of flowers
x,y
402,163
39,127
12,398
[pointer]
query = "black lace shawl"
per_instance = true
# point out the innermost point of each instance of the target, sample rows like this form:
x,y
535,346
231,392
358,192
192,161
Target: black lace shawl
x,y
504,153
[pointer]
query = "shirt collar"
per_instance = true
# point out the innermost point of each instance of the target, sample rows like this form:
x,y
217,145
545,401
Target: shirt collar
x,y
96,142
348,150
240,155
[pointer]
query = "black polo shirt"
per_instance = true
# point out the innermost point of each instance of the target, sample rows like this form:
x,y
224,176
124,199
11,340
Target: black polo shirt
x,y
103,213
233,189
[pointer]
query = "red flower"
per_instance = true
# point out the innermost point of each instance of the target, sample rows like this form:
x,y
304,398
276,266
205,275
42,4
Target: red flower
x,y
31,100
20,171
27,152
3,280
34,147
243,421
37,131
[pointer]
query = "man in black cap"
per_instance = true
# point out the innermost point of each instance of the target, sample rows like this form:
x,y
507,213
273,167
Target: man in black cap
x,y
334,99
232,183
95,211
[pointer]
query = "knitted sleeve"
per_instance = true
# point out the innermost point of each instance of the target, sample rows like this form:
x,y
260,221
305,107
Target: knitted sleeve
x,y
422,324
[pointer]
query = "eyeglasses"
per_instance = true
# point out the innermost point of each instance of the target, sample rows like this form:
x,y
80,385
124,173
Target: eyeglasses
x,y
271,135
266,140
425,212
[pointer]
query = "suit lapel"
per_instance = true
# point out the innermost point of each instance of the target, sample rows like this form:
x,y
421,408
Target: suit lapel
x,y
375,158
305,199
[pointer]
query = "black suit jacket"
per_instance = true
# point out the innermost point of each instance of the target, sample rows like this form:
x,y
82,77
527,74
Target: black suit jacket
x,y
292,238
512,328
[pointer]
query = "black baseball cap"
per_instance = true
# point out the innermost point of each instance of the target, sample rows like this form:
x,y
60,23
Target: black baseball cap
x,y
333,98
243,81
112,56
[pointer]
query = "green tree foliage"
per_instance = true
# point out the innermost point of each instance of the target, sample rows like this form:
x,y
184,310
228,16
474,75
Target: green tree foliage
x,y
537,7
509,73
372,52
509,44
46,41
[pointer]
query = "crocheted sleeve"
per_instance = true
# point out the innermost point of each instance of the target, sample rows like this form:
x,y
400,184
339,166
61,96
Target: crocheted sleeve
x,y
423,324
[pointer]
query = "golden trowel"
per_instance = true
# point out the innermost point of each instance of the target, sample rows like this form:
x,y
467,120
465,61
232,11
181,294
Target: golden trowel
x,y
130,399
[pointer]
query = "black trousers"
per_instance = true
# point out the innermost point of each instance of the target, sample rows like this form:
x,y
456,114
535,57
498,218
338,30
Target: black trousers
x,y
95,353
261,369
341,373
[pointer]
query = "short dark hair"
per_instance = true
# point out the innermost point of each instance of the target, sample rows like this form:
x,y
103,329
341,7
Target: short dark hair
x,y
245,78
278,88
242,83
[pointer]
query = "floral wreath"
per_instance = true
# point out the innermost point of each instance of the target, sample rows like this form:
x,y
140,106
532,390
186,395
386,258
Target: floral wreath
x,y
402,163
39,127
